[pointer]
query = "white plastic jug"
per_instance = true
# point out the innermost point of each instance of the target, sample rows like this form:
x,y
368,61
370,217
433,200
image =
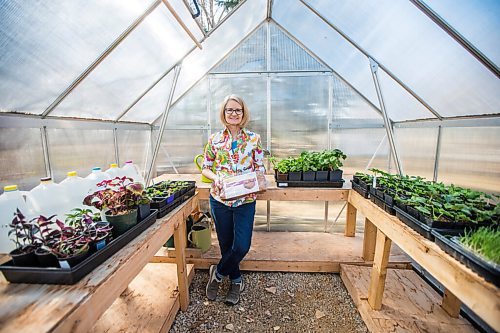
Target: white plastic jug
x,y
75,189
47,199
95,177
131,170
11,200
114,171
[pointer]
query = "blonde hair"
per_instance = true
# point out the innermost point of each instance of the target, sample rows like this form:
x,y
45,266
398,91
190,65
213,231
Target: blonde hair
x,y
245,117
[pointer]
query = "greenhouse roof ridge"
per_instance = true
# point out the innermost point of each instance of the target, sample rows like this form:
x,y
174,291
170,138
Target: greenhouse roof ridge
x,y
467,73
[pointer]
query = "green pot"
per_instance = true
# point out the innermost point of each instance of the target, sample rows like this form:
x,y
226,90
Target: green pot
x,y
121,223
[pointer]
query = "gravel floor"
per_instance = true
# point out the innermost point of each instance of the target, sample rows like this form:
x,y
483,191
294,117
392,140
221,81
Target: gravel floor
x,y
273,302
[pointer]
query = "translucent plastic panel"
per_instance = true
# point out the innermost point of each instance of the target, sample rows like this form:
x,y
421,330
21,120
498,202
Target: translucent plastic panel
x,y
299,114
223,39
151,105
21,158
45,45
475,20
252,90
327,44
470,157
134,145
287,55
79,150
399,104
152,48
360,146
419,53
191,110
250,56
178,149
348,104
417,149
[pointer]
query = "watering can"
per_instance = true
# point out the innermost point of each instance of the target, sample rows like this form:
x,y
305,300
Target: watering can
x,y
198,160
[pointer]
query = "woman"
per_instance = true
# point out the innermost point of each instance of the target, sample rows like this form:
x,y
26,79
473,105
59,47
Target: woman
x,y
233,150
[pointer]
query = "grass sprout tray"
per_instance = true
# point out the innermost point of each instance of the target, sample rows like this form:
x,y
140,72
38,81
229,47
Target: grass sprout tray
x,y
448,241
56,275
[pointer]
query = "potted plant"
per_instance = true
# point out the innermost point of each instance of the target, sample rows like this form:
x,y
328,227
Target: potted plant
x,y
89,224
295,169
332,160
309,166
26,242
71,248
48,235
119,200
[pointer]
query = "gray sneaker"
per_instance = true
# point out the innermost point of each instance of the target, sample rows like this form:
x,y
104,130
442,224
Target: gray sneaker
x,y
233,295
213,284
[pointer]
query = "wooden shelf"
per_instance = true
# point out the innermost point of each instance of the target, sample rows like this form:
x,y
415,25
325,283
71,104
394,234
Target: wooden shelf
x,y
76,308
409,305
482,297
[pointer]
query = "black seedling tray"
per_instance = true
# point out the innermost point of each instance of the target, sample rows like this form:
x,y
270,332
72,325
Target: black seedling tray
x,y
56,275
364,193
448,241
415,224
171,206
301,183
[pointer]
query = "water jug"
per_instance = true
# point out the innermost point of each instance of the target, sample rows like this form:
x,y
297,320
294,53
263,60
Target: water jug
x,y
198,161
47,199
75,189
131,170
114,171
95,177
11,200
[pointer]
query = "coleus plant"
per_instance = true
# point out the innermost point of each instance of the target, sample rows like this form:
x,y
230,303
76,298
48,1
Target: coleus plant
x,y
119,196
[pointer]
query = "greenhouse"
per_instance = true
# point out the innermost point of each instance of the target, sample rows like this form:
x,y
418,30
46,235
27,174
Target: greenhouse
x,y
367,135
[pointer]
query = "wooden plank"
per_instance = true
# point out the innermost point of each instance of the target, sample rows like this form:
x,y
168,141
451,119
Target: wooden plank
x,y
379,270
189,252
480,296
350,225
294,252
410,304
451,304
75,308
143,306
369,240
180,247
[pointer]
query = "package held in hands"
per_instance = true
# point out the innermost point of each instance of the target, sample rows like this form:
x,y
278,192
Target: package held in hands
x,y
240,185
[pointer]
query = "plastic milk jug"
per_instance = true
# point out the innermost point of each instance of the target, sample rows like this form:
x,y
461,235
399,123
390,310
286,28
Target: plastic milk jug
x,y
95,177
75,189
11,200
47,199
131,170
114,171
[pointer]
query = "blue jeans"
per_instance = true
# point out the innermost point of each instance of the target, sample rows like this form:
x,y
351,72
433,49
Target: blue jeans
x,y
234,226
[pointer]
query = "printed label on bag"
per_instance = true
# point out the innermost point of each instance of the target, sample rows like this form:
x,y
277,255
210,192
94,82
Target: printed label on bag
x,y
64,264
100,244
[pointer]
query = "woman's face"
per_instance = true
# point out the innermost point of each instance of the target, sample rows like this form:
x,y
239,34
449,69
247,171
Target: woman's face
x,y
233,113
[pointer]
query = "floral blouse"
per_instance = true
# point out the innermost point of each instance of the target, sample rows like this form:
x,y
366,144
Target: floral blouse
x,y
232,156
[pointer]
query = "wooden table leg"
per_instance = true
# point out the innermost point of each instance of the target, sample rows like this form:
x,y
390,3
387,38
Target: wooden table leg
x,y
451,304
369,240
379,270
350,224
180,258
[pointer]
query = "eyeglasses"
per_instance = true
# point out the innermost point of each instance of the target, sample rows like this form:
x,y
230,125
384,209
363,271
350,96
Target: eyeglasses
x,y
237,111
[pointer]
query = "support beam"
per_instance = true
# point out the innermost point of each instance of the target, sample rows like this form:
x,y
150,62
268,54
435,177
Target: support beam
x,y
379,271
45,149
451,304
162,127
99,59
387,121
438,154
179,20
369,56
350,224
369,240
117,150
180,258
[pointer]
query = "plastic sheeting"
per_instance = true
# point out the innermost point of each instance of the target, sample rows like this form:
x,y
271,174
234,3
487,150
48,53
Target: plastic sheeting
x,y
45,45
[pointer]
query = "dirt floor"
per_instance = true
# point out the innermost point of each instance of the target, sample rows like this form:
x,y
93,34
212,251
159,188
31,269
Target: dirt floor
x,y
273,302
